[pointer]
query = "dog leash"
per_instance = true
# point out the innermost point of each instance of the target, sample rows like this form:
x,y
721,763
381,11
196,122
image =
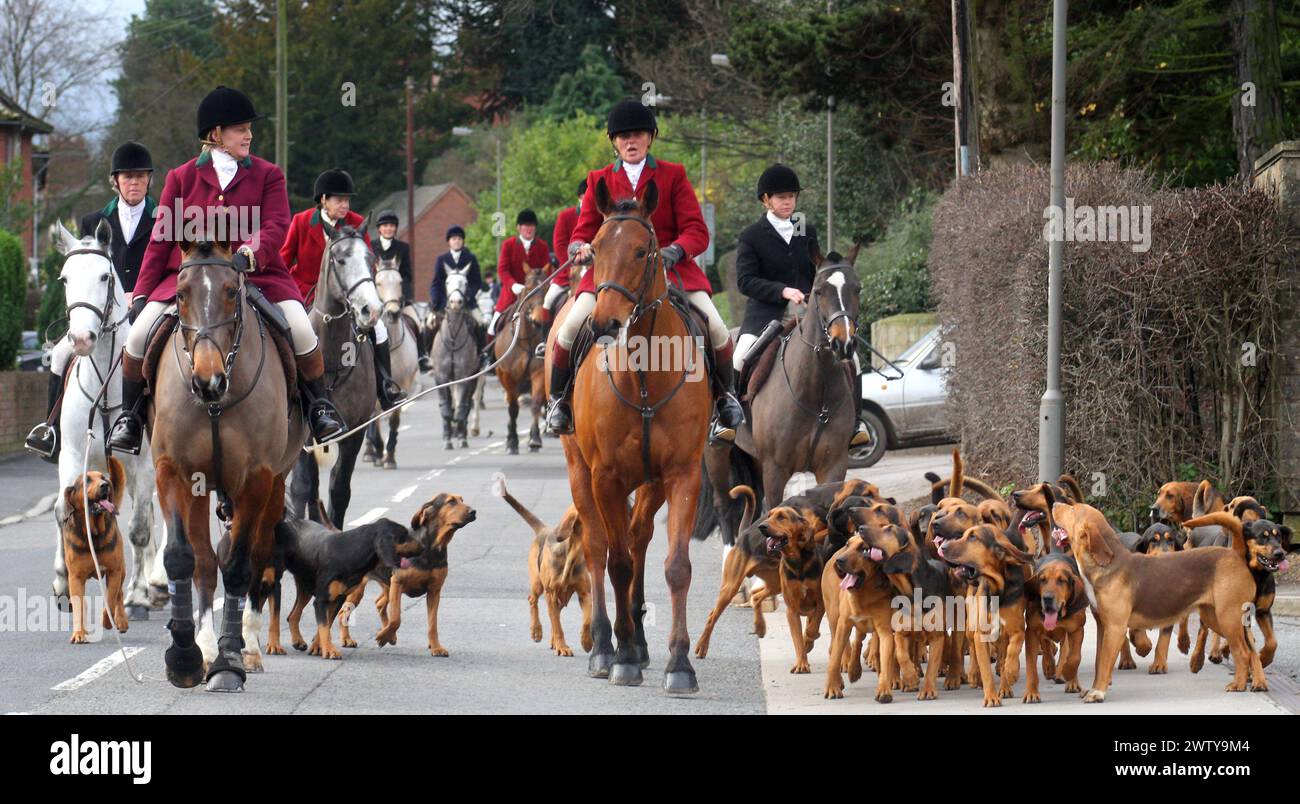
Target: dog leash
x,y
514,340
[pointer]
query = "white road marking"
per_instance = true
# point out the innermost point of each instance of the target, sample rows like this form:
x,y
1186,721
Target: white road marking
x,y
96,670
456,460
432,475
404,493
367,517
404,428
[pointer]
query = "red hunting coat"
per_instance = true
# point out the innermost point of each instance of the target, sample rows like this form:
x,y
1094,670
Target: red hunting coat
x,y
257,185
511,262
564,223
305,246
677,218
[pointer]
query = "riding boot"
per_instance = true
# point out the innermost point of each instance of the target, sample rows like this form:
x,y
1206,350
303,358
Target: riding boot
x,y
422,350
559,416
323,418
389,392
128,430
861,436
728,414
44,438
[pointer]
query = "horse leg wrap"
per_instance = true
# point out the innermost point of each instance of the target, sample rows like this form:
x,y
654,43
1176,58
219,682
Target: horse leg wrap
x,y
182,595
232,623
183,659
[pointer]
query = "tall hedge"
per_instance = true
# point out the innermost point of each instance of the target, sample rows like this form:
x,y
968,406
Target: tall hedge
x,y
13,295
1167,356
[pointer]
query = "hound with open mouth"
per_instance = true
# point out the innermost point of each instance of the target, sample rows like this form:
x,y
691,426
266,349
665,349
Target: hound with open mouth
x,y
1140,591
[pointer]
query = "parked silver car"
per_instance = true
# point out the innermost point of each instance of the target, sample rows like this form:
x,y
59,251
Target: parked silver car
x,y
903,404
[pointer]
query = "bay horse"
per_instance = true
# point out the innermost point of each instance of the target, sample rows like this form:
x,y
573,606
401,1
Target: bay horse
x,y
97,329
651,446
455,355
345,302
802,417
403,354
520,371
218,424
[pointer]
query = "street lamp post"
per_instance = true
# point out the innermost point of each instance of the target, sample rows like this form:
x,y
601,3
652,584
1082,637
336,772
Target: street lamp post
x,y
1051,411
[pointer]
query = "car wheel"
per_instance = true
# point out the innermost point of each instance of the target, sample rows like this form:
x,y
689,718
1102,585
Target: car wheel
x,y
862,457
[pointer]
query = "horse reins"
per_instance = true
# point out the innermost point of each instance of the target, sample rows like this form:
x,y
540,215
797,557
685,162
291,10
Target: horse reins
x,y
645,408
822,416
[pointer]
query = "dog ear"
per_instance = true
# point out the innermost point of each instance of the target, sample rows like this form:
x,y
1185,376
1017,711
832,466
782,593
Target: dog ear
x,y
1096,545
1284,535
902,561
427,511
1012,554
1144,541
838,519
117,476
1180,538
72,502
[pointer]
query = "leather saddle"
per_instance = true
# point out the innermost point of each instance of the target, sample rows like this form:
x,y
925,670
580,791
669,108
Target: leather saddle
x,y
758,367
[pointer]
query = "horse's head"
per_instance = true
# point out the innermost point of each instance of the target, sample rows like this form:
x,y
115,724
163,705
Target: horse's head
x,y
532,308
388,284
457,290
834,296
209,302
94,298
346,279
626,259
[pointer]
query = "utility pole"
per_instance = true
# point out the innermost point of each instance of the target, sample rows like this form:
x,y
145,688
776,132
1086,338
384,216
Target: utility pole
x,y
410,168
966,120
830,165
281,91
1051,410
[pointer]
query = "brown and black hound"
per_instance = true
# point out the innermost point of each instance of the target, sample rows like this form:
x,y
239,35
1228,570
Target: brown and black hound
x,y
104,494
1140,591
992,567
1157,538
858,595
424,573
1055,609
1267,546
557,568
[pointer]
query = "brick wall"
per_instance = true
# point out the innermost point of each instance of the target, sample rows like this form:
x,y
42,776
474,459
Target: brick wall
x,y
453,207
22,406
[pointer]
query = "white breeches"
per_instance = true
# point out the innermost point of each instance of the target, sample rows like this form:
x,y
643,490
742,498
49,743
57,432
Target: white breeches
x,y
586,302
743,344
300,331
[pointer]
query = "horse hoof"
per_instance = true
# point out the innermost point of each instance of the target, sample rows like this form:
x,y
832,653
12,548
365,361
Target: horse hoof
x,y
390,464
625,675
225,681
598,665
643,656
464,444
185,666
137,613
509,451
681,682
187,680
534,447
447,445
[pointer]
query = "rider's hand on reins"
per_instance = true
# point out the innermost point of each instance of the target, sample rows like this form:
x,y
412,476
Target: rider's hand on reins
x,y
137,305
244,261
579,252
793,294
671,255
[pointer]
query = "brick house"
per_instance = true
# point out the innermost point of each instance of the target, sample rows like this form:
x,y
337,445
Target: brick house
x,y
17,128
437,207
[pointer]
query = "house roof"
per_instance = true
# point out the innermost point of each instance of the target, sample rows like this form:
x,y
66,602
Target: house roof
x,y
426,195
12,114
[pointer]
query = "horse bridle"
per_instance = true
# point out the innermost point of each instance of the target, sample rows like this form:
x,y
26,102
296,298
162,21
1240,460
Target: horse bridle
x,y
338,279
107,311
825,326
204,333
639,307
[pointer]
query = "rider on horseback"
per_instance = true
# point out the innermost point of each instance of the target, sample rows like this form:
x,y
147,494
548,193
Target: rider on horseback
x,y
518,256
304,248
223,176
130,213
457,260
558,291
775,268
631,128
390,248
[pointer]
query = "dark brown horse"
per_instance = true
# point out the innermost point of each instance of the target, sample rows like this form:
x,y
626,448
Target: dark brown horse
x,y
802,417
520,372
219,381
638,428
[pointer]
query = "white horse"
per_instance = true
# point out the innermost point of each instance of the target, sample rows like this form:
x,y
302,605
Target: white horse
x,y
482,313
97,330
403,354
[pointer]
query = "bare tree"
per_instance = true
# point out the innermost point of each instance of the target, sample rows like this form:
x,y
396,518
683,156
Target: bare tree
x,y
50,49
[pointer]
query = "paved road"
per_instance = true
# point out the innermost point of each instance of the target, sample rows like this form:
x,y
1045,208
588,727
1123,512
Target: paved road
x,y
493,666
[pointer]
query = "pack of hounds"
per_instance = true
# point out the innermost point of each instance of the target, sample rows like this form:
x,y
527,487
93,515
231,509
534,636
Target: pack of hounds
x,y
954,588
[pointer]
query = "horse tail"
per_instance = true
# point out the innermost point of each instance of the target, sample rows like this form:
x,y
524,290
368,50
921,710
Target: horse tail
x,y
706,516
499,490
751,503
954,489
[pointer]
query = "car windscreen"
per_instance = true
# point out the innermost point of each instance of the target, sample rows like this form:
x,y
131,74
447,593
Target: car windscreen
x,y
914,351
